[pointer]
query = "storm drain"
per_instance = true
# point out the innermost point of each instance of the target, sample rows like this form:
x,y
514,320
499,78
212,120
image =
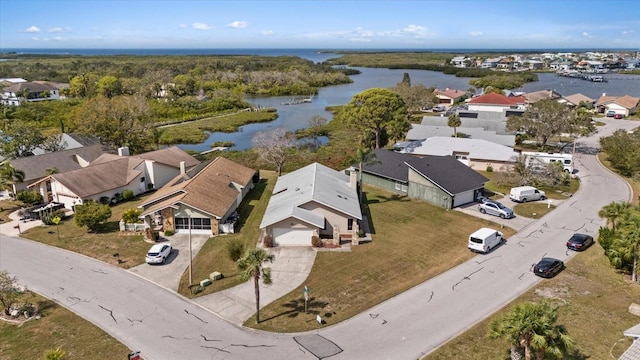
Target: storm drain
x,y
318,345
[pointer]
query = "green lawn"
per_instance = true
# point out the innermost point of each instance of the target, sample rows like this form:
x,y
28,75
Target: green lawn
x,y
413,241
58,328
100,245
560,192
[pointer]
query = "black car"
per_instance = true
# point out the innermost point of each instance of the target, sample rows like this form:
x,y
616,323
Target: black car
x,y
548,267
579,242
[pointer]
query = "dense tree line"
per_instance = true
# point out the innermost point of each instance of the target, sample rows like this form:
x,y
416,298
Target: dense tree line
x,y
621,239
623,151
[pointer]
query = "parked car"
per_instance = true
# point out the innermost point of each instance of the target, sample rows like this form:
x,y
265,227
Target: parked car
x,y
158,254
548,267
495,208
618,116
439,108
611,113
579,242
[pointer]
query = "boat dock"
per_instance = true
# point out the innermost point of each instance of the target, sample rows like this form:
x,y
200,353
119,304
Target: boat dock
x,y
582,75
296,101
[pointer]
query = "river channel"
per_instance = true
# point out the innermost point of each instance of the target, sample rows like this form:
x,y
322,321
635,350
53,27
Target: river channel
x,y
294,117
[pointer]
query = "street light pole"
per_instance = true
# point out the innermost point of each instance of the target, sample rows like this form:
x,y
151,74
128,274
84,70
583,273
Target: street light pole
x,y
190,257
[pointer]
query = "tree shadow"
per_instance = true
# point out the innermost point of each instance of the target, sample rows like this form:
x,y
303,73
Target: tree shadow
x,y
296,308
108,227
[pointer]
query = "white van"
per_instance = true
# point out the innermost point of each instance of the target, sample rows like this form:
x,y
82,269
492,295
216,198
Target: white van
x,y
526,193
484,240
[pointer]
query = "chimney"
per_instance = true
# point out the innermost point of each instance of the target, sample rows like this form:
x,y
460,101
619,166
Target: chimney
x,y
123,151
353,178
183,168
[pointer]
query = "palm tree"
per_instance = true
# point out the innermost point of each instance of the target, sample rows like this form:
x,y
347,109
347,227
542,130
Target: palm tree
x,y
531,327
454,122
9,176
626,246
613,211
251,266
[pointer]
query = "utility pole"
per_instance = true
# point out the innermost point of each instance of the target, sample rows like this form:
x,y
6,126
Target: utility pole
x,y
190,256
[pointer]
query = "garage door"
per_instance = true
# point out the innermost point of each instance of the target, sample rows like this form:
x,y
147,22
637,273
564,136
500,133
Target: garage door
x,y
463,198
285,236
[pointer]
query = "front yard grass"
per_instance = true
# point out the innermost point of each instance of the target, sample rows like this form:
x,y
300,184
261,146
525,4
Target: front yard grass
x,y
560,192
593,299
99,245
7,207
413,241
533,210
58,328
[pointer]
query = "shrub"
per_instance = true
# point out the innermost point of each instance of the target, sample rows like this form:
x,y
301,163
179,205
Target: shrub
x,y
235,249
127,195
489,168
361,233
316,242
61,213
104,200
168,232
131,216
267,241
91,214
606,236
29,197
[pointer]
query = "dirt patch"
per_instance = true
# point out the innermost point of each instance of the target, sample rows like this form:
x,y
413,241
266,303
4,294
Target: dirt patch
x,y
559,293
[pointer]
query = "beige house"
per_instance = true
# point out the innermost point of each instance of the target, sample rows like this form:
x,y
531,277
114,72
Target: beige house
x,y
312,201
105,178
202,200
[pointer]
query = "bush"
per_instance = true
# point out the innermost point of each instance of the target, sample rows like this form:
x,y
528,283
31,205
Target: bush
x,y
127,195
235,250
61,213
29,197
606,236
168,232
131,216
267,241
91,214
316,242
104,200
489,168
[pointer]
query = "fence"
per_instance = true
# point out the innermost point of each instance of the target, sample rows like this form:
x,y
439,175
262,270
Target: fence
x,y
132,227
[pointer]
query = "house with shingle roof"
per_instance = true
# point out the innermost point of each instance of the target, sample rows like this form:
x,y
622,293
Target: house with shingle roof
x,y
440,180
28,91
39,166
625,105
106,177
577,99
312,201
633,351
449,96
202,200
535,96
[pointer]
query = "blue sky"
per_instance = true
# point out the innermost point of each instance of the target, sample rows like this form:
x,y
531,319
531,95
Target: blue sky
x,y
418,24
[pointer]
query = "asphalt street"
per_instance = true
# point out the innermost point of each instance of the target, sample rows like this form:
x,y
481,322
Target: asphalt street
x,y
164,325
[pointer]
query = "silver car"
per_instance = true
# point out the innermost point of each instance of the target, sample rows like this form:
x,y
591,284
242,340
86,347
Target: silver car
x,y
495,208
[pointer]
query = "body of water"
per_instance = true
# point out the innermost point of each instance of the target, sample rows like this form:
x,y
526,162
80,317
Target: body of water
x,y
616,85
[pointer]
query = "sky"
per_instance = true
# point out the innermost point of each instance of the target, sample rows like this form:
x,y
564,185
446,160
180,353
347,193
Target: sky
x,y
326,24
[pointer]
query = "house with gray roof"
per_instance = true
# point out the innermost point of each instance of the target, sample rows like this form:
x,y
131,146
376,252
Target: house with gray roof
x,y
33,91
423,132
202,200
312,201
440,180
475,153
106,177
633,351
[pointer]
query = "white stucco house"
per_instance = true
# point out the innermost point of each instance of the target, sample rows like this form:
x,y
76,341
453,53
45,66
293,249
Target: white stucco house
x,y
29,91
109,175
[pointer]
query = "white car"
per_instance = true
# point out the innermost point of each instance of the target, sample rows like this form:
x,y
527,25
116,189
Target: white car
x,y
158,254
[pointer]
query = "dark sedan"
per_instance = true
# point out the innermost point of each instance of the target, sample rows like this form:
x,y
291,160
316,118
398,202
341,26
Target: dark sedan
x,y
579,242
548,267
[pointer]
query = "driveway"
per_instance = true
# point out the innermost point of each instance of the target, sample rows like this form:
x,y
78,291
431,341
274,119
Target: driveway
x,y
168,274
289,270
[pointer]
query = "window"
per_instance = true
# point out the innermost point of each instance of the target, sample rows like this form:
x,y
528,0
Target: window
x,y
401,187
350,224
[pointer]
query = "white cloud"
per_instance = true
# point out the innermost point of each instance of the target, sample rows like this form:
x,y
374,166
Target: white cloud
x,y
182,26
201,26
31,29
625,33
35,38
415,30
267,32
57,38
476,33
59,29
238,24
587,35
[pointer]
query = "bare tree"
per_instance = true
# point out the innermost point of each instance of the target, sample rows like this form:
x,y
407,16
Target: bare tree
x,y
316,124
273,147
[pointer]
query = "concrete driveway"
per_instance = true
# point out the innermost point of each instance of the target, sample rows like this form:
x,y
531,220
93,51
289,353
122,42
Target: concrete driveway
x,y
289,270
517,223
168,274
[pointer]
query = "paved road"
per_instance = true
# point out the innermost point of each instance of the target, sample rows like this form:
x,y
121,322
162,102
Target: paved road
x,y
166,326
